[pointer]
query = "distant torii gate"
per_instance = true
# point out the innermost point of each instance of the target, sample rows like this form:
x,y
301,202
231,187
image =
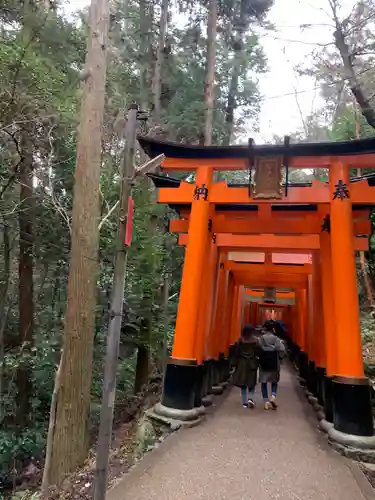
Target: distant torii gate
x,y
326,220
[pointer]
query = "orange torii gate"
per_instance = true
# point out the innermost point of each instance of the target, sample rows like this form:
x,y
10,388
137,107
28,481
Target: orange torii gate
x,y
255,304
325,331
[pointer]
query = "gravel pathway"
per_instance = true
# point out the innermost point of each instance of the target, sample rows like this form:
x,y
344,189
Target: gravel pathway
x,y
246,454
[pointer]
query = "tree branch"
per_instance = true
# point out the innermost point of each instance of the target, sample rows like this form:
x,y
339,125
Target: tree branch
x,y
353,82
107,216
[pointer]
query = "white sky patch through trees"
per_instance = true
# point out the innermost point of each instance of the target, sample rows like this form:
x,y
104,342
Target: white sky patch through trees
x,y
289,46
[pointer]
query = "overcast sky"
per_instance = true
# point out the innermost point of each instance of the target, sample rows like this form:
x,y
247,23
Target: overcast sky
x,y
289,46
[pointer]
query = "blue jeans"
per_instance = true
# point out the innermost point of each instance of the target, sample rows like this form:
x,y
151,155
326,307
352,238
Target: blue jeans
x,y
245,395
265,390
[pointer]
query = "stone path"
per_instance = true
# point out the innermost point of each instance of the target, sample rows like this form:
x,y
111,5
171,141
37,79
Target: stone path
x,y
247,454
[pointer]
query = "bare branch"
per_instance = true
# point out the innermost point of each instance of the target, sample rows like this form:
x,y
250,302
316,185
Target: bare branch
x,y
107,216
57,205
353,82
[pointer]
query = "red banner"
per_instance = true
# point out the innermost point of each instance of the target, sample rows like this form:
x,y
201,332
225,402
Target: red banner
x,y
129,223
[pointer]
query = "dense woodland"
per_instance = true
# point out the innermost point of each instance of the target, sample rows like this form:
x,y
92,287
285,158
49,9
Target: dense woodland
x,y
59,188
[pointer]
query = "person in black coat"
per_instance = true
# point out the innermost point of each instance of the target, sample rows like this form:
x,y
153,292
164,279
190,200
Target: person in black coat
x,y
246,362
272,351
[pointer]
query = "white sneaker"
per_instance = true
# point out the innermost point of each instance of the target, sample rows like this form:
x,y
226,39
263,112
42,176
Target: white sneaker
x,y
251,404
273,402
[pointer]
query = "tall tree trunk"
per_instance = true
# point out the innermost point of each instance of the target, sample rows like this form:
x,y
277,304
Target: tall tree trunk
x,y
68,431
26,288
145,26
348,61
232,94
163,23
209,95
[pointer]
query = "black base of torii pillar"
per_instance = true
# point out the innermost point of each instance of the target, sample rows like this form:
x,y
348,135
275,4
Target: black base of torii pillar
x,y
186,390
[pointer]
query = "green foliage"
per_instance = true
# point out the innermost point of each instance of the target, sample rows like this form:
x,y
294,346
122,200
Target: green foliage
x,y
19,448
41,55
344,127
367,327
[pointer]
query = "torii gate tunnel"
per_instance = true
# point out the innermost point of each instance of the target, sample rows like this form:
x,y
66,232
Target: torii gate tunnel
x,y
270,249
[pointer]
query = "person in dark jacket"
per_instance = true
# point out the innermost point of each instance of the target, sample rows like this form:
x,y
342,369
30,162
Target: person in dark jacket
x,y
272,350
281,329
246,361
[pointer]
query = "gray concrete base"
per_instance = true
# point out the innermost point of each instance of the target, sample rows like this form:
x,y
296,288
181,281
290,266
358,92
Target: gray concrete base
x,y
312,400
217,390
320,415
359,448
361,442
201,410
176,418
325,426
172,423
208,400
354,453
318,408
368,467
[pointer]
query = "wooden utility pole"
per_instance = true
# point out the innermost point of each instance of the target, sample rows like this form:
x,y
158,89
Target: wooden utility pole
x,y
114,329
67,442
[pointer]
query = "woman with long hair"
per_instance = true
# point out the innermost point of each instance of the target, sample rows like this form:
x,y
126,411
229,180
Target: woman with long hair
x,y
246,361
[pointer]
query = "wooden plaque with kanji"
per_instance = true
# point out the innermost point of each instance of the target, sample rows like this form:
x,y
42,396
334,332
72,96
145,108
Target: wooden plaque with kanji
x,y
269,295
268,177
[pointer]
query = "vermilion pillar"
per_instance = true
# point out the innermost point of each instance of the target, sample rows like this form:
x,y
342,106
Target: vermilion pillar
x,y
329,322
203,340
253,319
251,313
319,332
247,313
181,373
235,315
351,390
219,309
302,314
243,320
311,374
290,318
258,318
240,314
226,328
301,297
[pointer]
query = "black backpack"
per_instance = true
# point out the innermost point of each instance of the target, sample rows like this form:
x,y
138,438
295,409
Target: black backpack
x,y
268,356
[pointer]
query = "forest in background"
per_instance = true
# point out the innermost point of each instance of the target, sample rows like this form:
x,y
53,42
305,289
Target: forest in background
x,y
198,81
